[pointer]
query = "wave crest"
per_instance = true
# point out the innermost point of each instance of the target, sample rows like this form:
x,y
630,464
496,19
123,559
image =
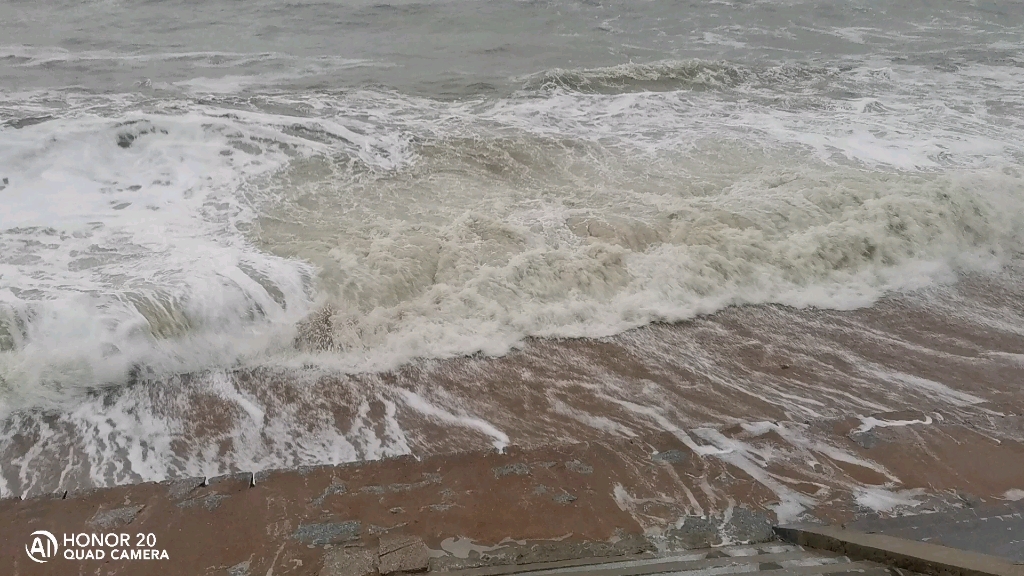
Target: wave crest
x,y
668,75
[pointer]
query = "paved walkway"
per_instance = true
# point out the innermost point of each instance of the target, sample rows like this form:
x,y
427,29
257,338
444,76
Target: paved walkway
x,y
772,559
993,529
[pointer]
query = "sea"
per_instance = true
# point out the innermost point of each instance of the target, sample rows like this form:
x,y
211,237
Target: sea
x,y
275,233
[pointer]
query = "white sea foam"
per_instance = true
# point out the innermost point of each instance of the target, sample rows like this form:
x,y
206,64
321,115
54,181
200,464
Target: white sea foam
x,y
124,249
421,405
109,253
881,499
205,425
871,422
655,212
446,228
29,56
144,237
753,462
927,387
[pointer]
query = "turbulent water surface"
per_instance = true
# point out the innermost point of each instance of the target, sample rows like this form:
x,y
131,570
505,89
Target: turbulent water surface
x,y
195,195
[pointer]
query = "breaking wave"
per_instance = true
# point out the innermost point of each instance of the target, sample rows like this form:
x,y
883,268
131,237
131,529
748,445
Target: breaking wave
x,y
358,231
691,74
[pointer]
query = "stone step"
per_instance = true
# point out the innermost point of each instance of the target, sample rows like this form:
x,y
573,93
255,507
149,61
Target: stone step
x,y
995,529
841,569
722,552
982,512
738,560
901,553
682,569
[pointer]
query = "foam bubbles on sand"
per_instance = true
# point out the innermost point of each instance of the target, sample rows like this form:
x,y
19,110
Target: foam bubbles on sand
x,y
419,404
880,499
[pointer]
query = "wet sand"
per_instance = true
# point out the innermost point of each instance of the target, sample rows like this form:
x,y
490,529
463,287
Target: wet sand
x,y
698,433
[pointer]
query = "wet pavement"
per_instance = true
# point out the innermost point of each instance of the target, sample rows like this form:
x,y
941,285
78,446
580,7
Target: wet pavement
x,y
996,529
494,511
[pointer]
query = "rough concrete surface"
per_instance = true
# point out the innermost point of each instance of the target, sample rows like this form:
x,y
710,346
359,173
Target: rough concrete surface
x,y
350,562
922,557
402,554
988,528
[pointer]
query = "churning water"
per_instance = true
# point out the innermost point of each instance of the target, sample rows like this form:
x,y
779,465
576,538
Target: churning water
x,y
185,183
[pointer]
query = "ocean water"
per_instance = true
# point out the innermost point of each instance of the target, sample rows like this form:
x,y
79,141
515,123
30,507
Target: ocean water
x,y
185,185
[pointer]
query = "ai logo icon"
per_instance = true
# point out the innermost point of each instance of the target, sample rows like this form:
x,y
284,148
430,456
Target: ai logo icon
x,y
44,546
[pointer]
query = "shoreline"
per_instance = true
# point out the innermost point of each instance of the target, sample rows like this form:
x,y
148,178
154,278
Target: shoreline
x,y
704,433
946,351
684,436
609,498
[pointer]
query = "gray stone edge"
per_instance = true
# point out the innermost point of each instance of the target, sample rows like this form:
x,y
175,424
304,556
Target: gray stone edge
x,y
503,569
922,557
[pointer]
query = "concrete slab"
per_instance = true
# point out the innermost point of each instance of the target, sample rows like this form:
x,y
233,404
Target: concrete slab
x,y
402,554
996,529
902,553
769,560
349,562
